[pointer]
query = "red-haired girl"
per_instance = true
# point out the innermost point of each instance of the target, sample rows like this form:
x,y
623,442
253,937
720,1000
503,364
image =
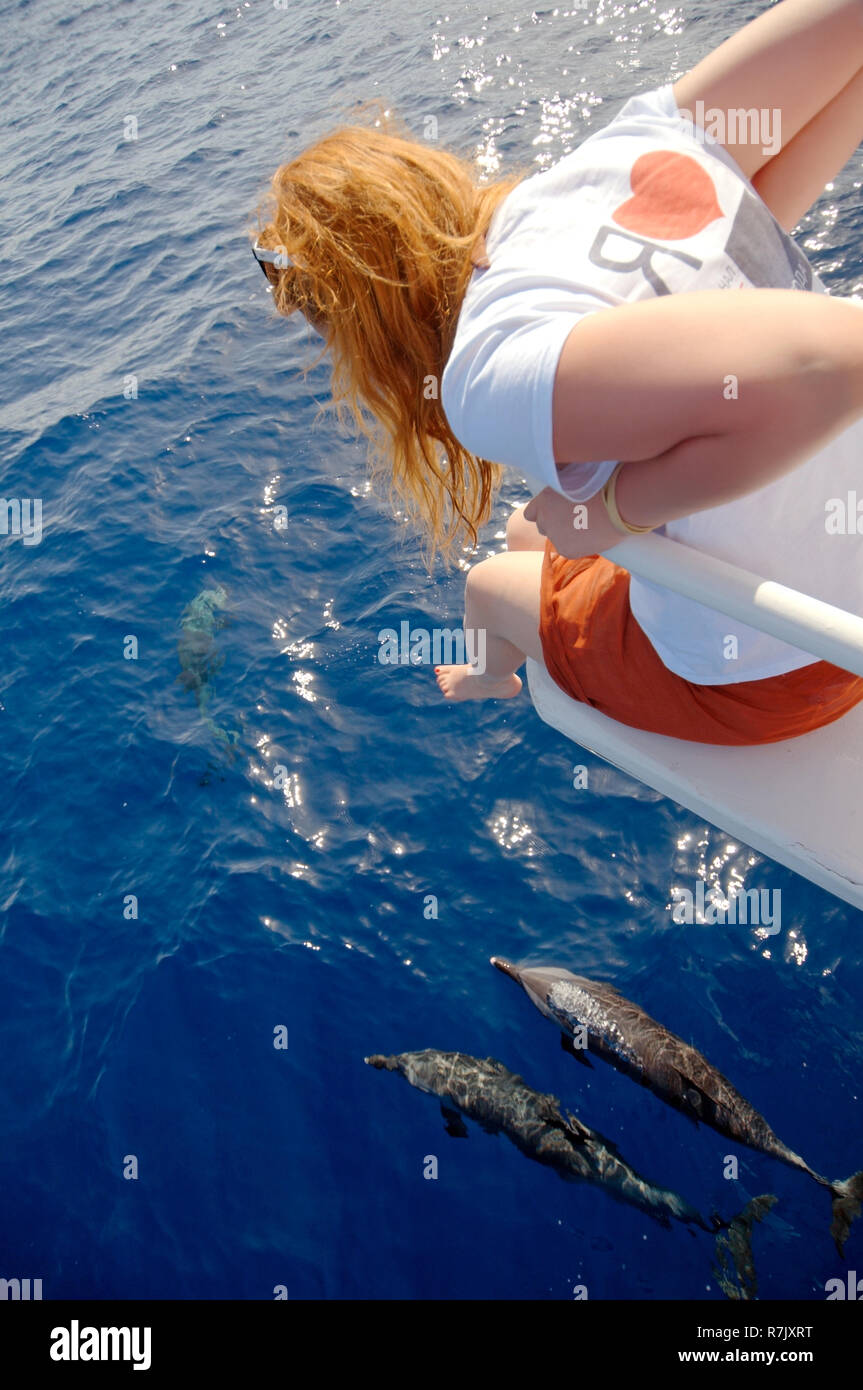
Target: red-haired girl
x,y
576,326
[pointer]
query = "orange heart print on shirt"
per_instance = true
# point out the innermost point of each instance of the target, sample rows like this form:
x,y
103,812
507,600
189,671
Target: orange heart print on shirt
x,y
673,197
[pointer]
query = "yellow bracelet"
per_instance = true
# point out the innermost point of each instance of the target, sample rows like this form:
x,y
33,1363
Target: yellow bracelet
x,y
617,521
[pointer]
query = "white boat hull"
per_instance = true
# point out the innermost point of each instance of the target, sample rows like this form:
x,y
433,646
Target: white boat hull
x,y
798,801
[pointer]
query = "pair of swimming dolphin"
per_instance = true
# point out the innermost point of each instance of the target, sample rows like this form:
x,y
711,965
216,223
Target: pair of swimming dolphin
x,y
621,1033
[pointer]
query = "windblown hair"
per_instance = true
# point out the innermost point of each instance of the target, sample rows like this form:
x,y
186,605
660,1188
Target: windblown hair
x,y
380,230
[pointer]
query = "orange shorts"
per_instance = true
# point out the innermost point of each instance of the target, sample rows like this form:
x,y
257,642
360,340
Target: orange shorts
x,y
597,653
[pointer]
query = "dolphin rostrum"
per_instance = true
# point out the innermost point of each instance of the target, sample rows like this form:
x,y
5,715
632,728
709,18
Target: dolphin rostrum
x,y
501,1103
621,1033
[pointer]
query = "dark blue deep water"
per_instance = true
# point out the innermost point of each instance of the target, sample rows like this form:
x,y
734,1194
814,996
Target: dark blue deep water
x,y
302,904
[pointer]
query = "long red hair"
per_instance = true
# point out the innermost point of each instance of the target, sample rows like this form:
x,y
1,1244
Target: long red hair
x,y
380,230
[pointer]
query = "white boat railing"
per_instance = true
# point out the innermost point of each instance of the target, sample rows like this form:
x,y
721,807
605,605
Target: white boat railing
x,y
822,630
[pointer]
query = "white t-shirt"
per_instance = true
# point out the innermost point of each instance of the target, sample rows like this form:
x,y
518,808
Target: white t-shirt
x,y
649,205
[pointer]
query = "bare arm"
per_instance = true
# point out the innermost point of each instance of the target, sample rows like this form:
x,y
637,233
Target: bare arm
x,y
706,397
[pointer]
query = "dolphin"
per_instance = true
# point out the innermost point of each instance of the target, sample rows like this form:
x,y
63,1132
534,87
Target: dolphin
x,y
621,1033
502,1103
199,656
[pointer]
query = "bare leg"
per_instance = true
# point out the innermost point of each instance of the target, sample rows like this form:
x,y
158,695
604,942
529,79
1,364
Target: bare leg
x,y
794,58
522,534
795,179
501,602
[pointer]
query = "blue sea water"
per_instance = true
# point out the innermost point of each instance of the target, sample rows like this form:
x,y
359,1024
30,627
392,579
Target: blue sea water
x,y
155,404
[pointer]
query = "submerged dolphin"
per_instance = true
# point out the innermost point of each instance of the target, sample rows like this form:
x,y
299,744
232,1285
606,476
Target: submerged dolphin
x,y
623,1034
199,656
501,1103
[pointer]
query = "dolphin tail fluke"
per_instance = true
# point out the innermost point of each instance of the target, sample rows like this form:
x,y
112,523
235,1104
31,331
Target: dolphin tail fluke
x,y
227,737
735,1267
847,1199
755,1210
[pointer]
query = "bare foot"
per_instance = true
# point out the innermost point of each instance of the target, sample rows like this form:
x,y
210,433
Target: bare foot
x,y
464,683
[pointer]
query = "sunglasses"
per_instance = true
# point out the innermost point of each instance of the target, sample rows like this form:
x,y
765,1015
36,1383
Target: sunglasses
x,y
265,256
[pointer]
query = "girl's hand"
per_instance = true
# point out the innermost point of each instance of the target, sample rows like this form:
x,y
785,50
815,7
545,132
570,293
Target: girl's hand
x,y
574,528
